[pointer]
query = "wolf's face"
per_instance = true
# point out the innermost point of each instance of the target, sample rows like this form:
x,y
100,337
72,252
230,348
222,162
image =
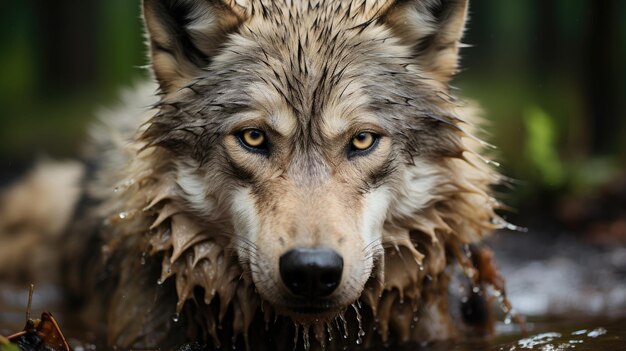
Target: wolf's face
x,y
303,129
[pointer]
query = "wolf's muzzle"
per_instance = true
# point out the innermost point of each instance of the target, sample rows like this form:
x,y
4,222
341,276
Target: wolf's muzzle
x,y
311,273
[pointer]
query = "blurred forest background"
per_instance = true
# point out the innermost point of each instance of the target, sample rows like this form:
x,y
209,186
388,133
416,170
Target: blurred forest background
x,y
550,74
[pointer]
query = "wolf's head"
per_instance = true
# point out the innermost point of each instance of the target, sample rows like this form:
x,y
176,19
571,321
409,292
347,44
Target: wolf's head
x,y
311,131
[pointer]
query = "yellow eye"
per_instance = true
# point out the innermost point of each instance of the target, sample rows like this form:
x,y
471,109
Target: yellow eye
x,y
253,138
363,141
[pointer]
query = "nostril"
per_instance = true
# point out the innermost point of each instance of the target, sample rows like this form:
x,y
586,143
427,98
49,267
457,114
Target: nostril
x,y
294,279
330,278
311,272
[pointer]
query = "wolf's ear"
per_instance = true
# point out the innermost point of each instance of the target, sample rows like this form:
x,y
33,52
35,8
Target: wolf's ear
x,y
434,29
185,34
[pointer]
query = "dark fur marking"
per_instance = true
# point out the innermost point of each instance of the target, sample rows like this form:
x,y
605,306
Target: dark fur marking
x,y
240,173
174,16
378,176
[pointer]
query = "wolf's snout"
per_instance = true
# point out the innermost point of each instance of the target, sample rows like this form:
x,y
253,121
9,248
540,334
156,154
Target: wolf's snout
x,y
311,272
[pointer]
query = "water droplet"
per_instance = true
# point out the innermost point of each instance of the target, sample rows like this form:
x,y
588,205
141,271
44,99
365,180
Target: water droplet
x,y
493,163
345,326
361,333
295,336
596,332
176,317
159,281
234,342
305,337
468,251
329,331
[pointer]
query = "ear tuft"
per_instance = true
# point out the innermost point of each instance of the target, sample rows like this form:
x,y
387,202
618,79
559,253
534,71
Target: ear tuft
x,y
434,29
185,34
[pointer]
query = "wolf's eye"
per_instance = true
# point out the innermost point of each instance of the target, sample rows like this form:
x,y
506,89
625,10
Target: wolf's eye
x,y
253,138
363,142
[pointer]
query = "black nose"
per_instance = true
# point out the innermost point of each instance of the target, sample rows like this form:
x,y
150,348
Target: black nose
x,y
311,272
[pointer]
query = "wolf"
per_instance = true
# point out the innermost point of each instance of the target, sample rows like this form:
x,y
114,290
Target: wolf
x,y
297,167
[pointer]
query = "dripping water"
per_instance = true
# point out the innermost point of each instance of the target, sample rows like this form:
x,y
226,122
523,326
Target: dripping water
x,y
124,185
305,337
344,324
295,336
329,331
507,319
361,333
468,250
234,342
415,317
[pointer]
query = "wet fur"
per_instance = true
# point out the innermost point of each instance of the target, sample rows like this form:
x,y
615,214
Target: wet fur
x,y
170,195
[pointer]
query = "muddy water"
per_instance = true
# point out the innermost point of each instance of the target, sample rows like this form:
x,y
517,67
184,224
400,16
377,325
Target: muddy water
x,y
597,334
543,334
581,287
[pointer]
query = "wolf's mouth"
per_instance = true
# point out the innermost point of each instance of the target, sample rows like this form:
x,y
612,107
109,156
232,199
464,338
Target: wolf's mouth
x,y
311,308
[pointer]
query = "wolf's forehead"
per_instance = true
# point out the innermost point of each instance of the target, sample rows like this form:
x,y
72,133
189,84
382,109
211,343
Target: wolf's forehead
x,y
313,59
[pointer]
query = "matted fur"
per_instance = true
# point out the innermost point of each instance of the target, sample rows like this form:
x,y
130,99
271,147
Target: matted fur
x,y
145,209
173,210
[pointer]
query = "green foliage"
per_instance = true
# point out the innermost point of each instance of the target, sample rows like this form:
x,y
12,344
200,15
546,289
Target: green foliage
x,y
547,169
540,148
9,347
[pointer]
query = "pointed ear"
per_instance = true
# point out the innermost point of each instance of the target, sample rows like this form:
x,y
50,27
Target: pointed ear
x,y
185,34
434,29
